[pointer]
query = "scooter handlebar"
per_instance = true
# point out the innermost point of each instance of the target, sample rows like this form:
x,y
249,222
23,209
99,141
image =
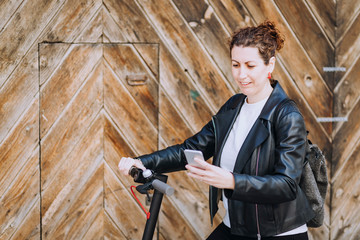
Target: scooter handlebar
x,y
162,187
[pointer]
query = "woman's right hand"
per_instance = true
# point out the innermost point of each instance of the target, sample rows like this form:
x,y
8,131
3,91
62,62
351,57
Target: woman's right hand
x,y
126,163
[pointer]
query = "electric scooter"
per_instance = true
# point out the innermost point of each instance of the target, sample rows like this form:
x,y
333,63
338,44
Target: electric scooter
x,y
149,180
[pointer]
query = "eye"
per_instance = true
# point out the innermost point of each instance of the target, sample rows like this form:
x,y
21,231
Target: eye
x,y
251,66
235,65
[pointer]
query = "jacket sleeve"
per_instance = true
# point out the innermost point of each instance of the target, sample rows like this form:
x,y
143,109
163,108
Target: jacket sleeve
x,y
173,158
281,185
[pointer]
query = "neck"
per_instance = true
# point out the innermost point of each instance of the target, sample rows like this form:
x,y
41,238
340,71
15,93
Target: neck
x,y
265,93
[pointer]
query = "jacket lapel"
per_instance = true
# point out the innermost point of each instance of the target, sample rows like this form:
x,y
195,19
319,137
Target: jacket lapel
x,y
256,136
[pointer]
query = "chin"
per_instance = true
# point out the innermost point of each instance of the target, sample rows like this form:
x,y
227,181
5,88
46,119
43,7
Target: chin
x,y
245,91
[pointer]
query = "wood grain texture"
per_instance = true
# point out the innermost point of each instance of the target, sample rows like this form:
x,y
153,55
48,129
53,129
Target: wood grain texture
x,y
298,16
167,24
325,14
66,81
22,31
12,104
65,103
347,11
210,32
20,199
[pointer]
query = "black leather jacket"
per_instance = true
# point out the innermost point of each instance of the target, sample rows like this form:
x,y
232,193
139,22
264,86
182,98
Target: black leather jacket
x,y
267,199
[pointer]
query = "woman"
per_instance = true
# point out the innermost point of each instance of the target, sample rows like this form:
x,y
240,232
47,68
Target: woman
x,y
258,150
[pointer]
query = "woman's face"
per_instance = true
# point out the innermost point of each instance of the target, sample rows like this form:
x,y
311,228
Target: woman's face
x,y
251,73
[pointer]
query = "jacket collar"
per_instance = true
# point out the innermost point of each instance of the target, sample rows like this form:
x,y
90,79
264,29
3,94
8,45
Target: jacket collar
x,y
258,133
278,94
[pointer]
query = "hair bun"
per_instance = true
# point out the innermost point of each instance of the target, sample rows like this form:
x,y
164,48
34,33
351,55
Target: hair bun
x,y
271,29
266,37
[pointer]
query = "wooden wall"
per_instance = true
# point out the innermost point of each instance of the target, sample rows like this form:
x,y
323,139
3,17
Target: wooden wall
x,y
85,82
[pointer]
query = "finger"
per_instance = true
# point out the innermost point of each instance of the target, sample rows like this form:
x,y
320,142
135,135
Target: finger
x,y
202,163
194,175
125,164
139,164
195,170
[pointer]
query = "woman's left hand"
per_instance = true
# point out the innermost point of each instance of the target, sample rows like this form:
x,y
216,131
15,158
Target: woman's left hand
x,y
212,175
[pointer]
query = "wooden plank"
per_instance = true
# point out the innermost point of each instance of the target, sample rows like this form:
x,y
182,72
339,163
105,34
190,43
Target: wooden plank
x,y
213,37
183,93
8,10
348,50
30,227
171,220
130,69
61,210
325,13
232,14
70,179
345,139
150,53
70,21
346,12
303,24
84,210
18,93
93,32
131,21
88,150
68,130
173,128
22,31
171,28
18,147
96,230
19,199
111,31
51,57
110,230
356,232
315,91
348,217
69,77
344,186
128,115
347,93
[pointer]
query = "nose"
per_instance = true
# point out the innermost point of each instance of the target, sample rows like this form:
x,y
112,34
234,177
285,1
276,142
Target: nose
x,y
241,72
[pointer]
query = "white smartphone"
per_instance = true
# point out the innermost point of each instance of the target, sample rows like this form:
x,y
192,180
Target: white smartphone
x,y
191,155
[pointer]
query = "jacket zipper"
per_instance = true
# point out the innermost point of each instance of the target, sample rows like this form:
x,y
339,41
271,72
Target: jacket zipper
x,y
256,206
213,122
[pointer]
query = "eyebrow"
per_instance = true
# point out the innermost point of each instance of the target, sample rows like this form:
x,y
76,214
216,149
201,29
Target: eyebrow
x,y
252,61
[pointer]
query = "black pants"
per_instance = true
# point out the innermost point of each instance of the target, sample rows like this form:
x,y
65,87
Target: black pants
x,y
222,232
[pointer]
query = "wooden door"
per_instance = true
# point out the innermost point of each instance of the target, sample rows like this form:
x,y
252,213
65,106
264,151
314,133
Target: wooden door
x,y
98,102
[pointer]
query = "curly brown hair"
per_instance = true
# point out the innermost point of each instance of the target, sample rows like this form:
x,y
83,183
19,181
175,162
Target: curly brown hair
x,y
266,37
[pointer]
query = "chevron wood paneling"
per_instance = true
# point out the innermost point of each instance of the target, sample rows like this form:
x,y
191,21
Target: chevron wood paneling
x,y
345,199
69,109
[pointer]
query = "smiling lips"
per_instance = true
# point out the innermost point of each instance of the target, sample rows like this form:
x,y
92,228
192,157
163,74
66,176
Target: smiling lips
x,y
244,83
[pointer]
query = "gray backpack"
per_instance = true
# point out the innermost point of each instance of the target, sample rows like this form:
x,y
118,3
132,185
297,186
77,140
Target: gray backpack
x,y
314,180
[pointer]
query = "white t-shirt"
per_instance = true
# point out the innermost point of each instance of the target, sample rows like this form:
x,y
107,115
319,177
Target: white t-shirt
x,y
241,128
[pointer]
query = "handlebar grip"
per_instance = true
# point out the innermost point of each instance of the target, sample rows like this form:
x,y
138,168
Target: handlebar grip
x,y
162,187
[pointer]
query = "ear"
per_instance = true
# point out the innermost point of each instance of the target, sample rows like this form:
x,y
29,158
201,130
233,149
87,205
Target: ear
x,y
271,65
